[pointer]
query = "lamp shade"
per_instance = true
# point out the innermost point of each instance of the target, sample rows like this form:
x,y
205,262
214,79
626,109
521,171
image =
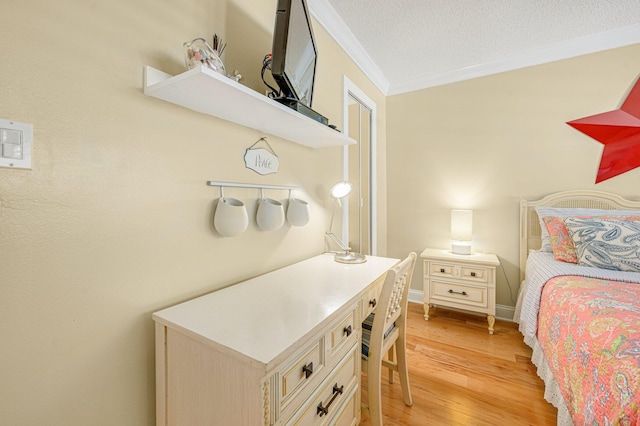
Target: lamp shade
x,y
461,225
341,189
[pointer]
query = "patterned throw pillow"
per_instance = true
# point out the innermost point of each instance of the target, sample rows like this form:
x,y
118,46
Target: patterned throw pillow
x,y
612,243
561,243
543,211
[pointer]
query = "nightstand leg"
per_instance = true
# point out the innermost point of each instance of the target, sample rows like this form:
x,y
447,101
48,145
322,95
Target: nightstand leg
x,y
427,308
491,320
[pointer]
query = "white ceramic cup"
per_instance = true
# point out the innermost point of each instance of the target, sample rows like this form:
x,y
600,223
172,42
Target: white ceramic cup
x,y
230,218
297,212
270,214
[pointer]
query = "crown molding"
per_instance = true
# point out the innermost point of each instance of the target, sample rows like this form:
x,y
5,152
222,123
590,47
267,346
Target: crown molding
x,y
612,39
327,17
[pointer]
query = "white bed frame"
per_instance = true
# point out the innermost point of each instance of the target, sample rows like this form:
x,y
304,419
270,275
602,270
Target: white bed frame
x,y
530,238
530,232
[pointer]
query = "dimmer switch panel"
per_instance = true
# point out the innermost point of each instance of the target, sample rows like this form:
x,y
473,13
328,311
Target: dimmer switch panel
x,y
15,144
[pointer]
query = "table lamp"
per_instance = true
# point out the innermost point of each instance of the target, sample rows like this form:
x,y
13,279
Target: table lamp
x,y
461,231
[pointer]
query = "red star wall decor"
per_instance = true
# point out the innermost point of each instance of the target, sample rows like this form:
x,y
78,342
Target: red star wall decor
x,y
619,132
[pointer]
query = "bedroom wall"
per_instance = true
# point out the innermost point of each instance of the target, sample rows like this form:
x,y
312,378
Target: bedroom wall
x,y
114,220
486,143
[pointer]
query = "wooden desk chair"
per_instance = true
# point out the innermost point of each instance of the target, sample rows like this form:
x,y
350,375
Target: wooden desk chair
x,y
384,329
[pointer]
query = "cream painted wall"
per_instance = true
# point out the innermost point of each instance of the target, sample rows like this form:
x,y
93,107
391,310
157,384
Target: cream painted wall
x,y
341,61
114,220
486,143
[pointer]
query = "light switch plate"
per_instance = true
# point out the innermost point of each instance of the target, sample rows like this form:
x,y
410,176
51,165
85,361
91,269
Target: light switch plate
x,y
15,144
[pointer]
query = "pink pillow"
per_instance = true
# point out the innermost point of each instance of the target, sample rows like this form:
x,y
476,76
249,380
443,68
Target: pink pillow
x,y
561,243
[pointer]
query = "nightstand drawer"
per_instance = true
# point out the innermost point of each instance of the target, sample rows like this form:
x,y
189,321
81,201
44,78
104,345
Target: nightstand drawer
x,y
442,269
466,282
459,293
471,273
474,273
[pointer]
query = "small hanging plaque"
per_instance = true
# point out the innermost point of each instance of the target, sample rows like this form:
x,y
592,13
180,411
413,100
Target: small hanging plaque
x,y
260,160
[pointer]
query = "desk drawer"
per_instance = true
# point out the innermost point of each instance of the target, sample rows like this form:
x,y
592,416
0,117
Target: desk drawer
x,y
371,298
341,333
341,337
348,415
301,370
329,401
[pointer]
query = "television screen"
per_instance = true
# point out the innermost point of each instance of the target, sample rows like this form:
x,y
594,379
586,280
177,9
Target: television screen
x,y
294,51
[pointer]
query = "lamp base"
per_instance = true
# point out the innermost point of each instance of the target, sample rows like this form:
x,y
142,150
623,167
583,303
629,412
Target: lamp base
x,y
349,257
460,247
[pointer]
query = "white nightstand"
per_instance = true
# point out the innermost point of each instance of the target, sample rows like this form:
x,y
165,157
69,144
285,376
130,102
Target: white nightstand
x,y
459,281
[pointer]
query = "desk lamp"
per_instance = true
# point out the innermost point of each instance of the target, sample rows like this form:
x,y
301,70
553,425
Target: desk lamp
x,y
339,191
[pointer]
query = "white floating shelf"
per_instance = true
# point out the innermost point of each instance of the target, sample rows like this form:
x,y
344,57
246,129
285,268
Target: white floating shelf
x,y
206,91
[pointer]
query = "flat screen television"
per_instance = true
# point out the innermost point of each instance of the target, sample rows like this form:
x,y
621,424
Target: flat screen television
x,y
294,53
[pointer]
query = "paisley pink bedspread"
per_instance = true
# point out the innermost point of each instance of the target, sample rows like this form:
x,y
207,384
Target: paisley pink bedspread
x,y
589,330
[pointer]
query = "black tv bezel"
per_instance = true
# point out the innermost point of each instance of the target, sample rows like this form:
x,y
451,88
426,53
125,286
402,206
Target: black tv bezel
x,y
279,50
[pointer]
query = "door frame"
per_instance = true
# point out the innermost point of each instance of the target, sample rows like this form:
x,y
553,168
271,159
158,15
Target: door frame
x,y
350,89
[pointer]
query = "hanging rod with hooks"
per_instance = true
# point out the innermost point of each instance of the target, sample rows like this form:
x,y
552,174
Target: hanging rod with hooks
x,y
250,185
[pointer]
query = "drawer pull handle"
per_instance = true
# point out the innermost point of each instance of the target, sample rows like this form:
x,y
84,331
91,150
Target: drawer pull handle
x,y
308,370
473,274
464,293
442,270
373,303
347,330
325,410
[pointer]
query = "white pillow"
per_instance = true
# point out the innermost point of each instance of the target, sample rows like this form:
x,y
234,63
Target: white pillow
x,y
606,243
567,212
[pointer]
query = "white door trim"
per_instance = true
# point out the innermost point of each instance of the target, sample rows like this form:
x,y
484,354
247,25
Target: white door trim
x,y
349,88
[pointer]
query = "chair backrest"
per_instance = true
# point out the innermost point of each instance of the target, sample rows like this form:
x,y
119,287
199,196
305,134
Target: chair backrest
x,y
393,300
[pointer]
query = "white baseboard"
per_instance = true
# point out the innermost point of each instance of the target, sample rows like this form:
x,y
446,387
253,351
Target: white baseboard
x,y
416,296
503,312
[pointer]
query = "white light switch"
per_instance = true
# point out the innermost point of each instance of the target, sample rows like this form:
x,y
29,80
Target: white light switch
x,y
15,144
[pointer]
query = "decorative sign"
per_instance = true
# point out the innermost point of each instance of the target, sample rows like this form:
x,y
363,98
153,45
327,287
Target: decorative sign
x,y
619,132
260,160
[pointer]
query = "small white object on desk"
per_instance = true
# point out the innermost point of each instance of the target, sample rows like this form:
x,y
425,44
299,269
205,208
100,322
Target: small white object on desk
x,y
466,282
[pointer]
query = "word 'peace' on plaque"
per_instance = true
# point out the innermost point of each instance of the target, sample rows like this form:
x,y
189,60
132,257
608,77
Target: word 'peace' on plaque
x,y
260,160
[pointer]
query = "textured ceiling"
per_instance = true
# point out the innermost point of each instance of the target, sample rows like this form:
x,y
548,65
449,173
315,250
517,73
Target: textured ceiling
x,y
418,43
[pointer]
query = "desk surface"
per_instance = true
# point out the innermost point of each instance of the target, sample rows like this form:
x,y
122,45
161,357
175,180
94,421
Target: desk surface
x,y
260,317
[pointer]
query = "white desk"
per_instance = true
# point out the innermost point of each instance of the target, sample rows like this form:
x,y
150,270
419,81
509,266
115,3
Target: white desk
x,y
242,355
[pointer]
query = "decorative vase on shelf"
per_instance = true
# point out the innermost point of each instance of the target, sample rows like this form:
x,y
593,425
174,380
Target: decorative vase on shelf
x,y
199,51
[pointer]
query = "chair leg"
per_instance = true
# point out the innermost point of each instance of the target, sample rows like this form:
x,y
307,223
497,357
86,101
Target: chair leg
x,y
403,371
374,376
390,357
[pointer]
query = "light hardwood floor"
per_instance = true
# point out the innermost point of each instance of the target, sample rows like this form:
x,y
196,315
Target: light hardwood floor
x,y
461,375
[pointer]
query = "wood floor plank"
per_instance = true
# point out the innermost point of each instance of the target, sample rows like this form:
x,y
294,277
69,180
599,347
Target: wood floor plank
x,y
460,375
